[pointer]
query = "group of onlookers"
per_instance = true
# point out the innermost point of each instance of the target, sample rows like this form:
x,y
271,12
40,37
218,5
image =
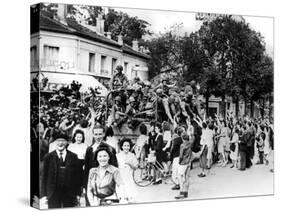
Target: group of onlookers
x,y
83,163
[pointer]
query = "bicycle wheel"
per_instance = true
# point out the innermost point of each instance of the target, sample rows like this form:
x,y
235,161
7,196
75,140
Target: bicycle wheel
x,y
143,175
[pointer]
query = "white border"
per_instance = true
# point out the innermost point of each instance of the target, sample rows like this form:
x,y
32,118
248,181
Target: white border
x,y
14,88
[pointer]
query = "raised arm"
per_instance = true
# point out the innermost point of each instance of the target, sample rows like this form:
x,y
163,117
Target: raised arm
x,y
92,119
167,109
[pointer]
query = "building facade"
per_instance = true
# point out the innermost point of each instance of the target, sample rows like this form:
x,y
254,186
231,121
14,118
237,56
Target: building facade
x,y
66,46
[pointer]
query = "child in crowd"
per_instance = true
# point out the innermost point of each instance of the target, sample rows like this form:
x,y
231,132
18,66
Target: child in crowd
x,y
185,159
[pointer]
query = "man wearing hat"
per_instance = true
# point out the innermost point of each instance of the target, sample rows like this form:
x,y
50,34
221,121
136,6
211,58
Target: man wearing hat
x,y
60,184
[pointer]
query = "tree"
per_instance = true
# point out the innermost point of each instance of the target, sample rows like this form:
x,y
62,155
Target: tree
x,y
262,88
131,28
116,22
165,52
86,12
233,50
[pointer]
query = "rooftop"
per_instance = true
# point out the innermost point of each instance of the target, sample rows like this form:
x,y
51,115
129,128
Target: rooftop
x,y
74,28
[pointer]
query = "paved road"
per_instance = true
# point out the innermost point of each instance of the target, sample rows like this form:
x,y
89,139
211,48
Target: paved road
x,y
220,182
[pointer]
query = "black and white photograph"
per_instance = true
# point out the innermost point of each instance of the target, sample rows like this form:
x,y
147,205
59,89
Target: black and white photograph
x,y
132,106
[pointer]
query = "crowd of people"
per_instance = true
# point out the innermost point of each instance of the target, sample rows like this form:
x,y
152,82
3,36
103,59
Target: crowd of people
x,y
81,156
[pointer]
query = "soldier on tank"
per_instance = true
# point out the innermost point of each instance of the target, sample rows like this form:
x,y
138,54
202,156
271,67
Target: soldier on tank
x,y
119,80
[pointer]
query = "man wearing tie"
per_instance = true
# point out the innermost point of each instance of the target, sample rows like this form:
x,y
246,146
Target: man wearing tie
x,y
60,181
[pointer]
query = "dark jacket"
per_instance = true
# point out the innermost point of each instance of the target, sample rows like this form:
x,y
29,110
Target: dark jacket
x,y
50,175
159,143
175,147
151,141
252,134
185,153
244,138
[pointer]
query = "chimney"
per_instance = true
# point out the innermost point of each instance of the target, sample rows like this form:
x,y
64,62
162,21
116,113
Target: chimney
x,y
146,50
108,35
120,39
135,45
141,49
62,13
100,24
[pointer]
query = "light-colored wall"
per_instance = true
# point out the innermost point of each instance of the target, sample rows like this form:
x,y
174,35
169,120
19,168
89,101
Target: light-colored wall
x,y
74,55
35,42
132,62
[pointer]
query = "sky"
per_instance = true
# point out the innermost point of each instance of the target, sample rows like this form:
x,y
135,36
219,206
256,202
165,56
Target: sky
x,y
162,20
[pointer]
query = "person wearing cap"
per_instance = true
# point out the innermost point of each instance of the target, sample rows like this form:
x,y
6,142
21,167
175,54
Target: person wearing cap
x,y
119,80
60,184
185,159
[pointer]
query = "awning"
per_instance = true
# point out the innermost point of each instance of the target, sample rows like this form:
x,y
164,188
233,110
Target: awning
x,y
57,80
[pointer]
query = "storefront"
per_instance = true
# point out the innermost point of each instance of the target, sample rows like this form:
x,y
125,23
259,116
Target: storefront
x,y
50,81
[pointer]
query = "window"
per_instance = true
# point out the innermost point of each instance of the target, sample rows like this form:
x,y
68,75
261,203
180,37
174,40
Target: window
x,y
113,65
33,55
125,67
51,53
136,70
103,63
92,58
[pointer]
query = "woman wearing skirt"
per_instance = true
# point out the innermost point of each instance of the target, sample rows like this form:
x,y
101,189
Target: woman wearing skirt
x,y
203,152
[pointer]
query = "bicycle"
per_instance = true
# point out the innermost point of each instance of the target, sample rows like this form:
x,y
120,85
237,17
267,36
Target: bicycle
x,y
144,175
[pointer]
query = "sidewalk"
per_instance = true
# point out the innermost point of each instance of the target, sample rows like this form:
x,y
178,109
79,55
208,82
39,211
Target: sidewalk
x,y
220,182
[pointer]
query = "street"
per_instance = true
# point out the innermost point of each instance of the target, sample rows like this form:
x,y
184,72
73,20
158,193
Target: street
x,y
220,182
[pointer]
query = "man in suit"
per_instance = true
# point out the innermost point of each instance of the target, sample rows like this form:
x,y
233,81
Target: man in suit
x,y
60,176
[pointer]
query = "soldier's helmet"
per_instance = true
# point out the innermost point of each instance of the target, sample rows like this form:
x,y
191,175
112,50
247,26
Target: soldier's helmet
x,y
159,91
192,83
117,98
147,83
119,68
131,99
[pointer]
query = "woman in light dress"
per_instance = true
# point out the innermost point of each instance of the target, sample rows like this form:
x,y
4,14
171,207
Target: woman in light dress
x,y
203,152
167,138
141,143
222,136
127,162
267,148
